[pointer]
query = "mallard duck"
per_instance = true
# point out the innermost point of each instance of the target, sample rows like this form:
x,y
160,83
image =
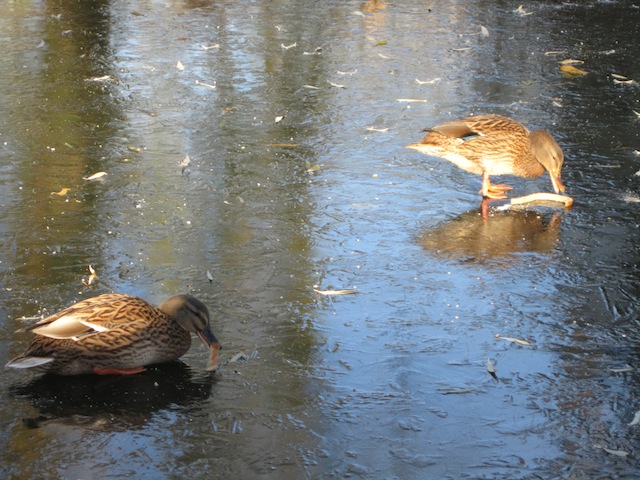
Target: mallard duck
x,y
117,334
495,145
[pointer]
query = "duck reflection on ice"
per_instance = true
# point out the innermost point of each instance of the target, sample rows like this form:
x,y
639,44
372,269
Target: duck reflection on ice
x,y
470,237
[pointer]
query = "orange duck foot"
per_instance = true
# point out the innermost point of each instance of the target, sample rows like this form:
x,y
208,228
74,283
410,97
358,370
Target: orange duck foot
x,y
494,192
118,371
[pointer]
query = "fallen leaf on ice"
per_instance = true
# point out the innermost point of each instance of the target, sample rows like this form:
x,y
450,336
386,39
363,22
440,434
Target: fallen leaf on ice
x,y
484,31
185,161
103,78
237,357
491,368
621,79
198,82
92,277
428,82
453,391
336,292
209,276
317,51
636,419
279,118
521,11
625,369
209,47
180,66
287,47
572,71
62,192
96,176
617,453
515,340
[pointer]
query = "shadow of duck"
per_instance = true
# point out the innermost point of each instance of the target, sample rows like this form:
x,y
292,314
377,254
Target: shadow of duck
x,y
115,401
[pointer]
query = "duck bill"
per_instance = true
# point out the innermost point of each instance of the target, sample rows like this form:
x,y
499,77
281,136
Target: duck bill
x,y
209,339
556,182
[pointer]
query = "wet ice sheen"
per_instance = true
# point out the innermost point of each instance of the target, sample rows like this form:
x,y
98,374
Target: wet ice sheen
x,y
328,198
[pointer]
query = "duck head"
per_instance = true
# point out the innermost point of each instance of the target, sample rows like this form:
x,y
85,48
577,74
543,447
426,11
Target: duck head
x,y
549,154
193,315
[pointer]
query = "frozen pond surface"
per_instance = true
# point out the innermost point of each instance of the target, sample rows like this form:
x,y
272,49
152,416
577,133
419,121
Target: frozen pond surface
x,y
294,117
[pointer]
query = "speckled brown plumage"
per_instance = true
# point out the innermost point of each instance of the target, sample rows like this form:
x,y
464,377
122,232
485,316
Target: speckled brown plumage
x,y
495,145
116,331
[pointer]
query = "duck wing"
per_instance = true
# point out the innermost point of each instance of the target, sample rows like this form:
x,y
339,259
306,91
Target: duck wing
x,y
93,315
481,125
454,129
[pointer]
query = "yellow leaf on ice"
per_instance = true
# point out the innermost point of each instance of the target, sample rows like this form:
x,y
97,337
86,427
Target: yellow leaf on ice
x,y
571,71
62,192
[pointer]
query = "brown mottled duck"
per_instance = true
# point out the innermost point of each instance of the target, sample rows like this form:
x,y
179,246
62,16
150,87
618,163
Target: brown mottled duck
x,y
495,145
117,334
